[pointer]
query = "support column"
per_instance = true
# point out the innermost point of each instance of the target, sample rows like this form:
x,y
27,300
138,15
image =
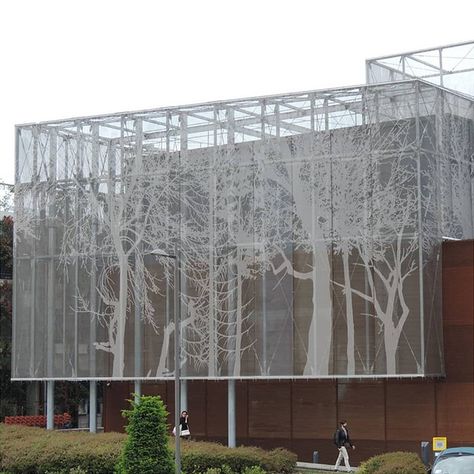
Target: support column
x,y
231,425
177,354
32,328
79,175
95,159
418,133
138,390
93,406
264,257
50,404
183,395
51,278
139,265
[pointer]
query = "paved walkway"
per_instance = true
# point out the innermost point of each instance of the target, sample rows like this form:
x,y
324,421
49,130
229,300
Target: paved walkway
x,y
322,467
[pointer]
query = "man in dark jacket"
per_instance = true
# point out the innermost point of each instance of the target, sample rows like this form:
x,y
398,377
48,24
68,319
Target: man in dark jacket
x,y
343,442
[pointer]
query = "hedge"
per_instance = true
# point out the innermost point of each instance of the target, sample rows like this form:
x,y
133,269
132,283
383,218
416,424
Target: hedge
x,y
393,463
35,450
198,457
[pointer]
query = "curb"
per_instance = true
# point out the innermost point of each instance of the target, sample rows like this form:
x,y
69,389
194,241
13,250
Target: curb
x,y
323,467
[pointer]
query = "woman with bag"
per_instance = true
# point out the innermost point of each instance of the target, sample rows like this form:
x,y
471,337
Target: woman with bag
x,y
184,425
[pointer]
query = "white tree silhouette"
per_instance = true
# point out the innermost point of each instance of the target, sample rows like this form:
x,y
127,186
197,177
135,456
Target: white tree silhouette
x,y
219,257
119,217
302,182
388,249
351,172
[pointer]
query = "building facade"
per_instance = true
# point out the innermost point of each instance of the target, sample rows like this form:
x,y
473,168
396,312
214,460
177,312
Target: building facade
x,y
306,229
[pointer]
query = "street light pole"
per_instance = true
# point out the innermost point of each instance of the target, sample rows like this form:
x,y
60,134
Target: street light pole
x,y
177,364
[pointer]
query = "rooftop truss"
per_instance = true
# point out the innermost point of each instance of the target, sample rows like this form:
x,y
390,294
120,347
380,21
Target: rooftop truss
x,y
214,124
450,66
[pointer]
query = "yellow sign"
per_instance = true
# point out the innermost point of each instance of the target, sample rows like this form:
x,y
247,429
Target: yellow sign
x,y
440,443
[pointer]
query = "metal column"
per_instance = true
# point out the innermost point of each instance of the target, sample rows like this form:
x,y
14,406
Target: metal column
x,y
184,395
139,288
50,404
138,390
177,361
93,406
51,282
93,269
420,229
231,413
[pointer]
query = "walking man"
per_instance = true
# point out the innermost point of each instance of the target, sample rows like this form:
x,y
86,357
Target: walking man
x,y
343,442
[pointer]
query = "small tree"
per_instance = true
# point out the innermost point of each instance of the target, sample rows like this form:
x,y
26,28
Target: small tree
x,y
146,450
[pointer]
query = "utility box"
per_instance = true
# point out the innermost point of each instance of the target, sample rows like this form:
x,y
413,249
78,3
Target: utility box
x,y
425,452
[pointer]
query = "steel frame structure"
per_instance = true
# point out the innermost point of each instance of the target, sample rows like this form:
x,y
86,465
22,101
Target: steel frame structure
x,y
422,127
450,66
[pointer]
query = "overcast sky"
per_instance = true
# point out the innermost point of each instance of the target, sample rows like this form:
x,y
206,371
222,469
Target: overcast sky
x,y
63,58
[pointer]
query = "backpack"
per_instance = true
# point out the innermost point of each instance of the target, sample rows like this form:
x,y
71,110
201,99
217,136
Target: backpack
x,y
336,438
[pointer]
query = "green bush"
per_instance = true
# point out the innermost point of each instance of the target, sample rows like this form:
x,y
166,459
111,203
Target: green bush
x,y
146,450
35,450
279,460
393,463
199,457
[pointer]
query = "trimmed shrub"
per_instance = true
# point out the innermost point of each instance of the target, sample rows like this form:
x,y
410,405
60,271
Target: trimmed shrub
x,y
146,450
393,463
199,457
279,460
35,450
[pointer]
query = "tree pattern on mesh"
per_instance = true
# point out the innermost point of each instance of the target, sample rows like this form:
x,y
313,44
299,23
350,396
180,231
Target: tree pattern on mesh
x,y
307,230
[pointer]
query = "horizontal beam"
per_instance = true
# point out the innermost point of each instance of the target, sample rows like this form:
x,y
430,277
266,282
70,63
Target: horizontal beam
x,y
425,63
409,53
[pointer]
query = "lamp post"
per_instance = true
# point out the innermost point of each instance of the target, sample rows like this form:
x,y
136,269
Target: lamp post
x,y
177,380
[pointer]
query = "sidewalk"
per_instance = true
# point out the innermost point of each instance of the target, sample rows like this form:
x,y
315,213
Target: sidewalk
x,y
322,467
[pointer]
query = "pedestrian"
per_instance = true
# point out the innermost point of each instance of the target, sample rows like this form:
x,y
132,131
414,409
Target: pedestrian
x,y
184,425
343,443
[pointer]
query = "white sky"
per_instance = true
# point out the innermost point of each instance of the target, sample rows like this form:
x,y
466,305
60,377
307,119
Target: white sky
x,y
66,58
